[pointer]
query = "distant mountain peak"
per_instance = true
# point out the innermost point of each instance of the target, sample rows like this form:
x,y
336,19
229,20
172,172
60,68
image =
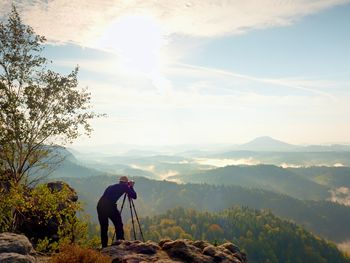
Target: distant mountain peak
x,y
266,143
265,138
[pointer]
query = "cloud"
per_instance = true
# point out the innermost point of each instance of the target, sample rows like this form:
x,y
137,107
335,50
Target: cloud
x,y
217,18
296,84
209,90
83,22
340,195
189,116
226,162
205,78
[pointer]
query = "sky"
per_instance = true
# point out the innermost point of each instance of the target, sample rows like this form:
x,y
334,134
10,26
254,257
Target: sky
x,y
203,72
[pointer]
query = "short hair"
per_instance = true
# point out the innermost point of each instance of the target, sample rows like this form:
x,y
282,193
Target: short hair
x,y
123,179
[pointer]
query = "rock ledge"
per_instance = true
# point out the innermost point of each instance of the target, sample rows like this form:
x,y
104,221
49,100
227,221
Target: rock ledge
x,y
180,250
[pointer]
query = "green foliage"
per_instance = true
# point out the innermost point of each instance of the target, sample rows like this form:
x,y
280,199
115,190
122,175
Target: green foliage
x,y
330,176
267,177
10,200
36,210
38,107
265,237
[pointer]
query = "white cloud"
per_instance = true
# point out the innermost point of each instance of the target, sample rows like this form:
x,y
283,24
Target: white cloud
x,y
202,95
228,93
83,22
296,84
205,78
340,195
226,162
217,18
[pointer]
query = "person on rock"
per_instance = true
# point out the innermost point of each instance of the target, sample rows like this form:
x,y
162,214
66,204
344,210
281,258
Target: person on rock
x,y
107,207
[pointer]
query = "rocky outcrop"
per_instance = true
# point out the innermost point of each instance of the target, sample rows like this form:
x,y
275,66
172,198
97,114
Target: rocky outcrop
x,y
31,223
180,250
15,248
59,185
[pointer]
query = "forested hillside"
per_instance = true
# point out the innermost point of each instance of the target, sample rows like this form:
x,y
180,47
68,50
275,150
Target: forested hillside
x,y
265,237
327,219
268,177
329,176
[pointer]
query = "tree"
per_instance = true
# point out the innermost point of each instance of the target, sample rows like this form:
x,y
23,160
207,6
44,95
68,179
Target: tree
x,y
40,109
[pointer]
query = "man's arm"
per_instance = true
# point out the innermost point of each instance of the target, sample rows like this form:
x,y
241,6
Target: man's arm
x,y
131,192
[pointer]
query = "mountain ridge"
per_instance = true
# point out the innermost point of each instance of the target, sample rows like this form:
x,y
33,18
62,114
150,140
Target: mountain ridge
x,y
260,143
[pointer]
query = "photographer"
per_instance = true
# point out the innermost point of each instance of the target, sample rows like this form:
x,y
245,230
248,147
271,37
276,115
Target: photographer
x,y
107,208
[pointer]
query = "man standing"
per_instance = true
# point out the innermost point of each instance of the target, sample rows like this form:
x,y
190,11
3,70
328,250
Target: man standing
x,y
107,208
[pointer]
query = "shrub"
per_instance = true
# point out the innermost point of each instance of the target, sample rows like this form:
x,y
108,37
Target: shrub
x,y
76,254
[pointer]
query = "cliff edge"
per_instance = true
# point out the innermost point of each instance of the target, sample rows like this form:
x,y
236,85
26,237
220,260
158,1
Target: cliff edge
x,y
17,248
180,250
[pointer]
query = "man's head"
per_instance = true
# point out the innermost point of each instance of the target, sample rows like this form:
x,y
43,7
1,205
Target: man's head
x,y
123,179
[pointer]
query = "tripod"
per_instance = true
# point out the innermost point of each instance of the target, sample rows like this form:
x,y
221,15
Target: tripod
x,y
132,212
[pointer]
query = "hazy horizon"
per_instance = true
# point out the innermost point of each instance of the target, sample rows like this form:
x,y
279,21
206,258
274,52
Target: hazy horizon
x,y
176,148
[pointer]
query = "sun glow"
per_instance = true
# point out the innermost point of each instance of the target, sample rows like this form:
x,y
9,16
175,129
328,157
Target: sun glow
x,y
138,42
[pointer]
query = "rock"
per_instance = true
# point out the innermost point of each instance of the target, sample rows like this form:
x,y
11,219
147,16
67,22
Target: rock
x,y
186,252
163,241
201,244
15,248
167,251
58,186
143,248
231,247
14,243
16,258
209,250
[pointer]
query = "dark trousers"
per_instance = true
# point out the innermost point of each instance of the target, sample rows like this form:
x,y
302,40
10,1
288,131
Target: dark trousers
x,y
107,210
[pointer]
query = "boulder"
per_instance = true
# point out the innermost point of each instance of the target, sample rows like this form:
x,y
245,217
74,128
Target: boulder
x,y
185,251
15,248
16,258
14,243
209,250
180,250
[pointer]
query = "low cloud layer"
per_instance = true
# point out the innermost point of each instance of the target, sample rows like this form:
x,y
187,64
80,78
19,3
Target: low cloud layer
x,y
340,195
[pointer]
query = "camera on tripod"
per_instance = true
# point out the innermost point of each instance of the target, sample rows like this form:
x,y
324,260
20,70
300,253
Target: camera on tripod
x,y
131,183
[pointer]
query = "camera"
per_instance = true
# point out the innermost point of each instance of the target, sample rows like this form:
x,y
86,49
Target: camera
x,y
131,183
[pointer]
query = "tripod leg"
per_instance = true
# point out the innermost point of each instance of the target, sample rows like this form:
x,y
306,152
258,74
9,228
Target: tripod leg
x,y
137,218
132,218
121,209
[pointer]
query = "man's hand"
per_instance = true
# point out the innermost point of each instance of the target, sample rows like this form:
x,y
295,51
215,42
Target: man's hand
x,y
131,183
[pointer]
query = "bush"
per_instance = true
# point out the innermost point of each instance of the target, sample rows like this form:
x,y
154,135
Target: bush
x,y
76,254
47,216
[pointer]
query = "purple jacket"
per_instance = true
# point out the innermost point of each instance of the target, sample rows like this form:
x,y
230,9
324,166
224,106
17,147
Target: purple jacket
x,y
115,191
